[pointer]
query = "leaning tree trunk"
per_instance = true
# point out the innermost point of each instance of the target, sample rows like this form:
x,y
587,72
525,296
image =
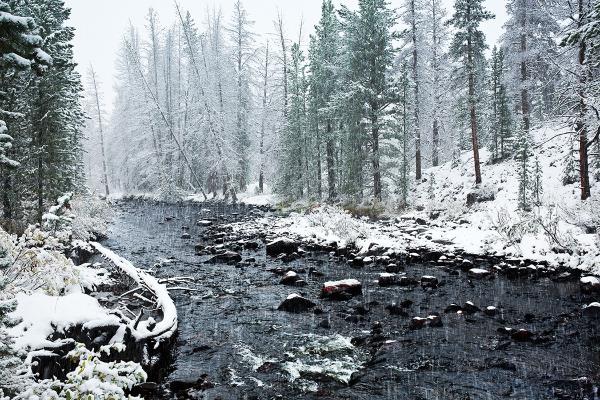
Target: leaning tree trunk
x,y
101,132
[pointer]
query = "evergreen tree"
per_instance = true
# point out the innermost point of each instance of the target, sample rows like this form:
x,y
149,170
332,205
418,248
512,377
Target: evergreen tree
x,y
12,379
501,127
467,47
413,18
438,74
55,116
20,53
242,39
370,46
293,181
531,50
324,81
524,171
537,189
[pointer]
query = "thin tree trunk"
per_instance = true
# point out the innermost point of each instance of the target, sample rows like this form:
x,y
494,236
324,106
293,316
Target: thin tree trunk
x,y
417,129
100,131
330,163
472,103
261,172
375,160
580,125
285,66
436,83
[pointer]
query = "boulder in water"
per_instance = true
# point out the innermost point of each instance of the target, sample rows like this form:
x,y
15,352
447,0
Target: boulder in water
x,y
282,245
228,257
592,310
295,303
341,290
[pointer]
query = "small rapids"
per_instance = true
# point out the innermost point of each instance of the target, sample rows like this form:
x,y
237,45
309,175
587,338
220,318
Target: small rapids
x,y
523,337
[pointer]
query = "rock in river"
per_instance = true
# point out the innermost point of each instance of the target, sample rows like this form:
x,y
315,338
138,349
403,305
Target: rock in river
x,y
589,284
341,290
282,245
429,281
228,257
295,303
479,273
592,310
292,279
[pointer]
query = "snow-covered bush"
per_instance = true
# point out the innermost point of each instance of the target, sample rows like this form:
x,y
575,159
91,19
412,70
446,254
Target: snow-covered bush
x,y
12,375
92,379
512,227
329,223
91,217
59,216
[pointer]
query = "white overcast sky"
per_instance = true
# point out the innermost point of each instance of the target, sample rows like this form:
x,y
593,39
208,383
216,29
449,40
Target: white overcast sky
x,y
100,24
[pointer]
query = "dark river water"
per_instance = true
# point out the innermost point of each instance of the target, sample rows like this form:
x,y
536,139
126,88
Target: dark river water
x,y
233,343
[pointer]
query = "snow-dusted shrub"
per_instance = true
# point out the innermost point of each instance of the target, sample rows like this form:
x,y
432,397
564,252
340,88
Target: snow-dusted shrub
x,y
59,216
512,227
38,262
329,224
12,375
91,217
92,379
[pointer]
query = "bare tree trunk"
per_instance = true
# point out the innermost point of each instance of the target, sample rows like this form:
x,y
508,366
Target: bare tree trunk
x,y
524,91
580,125
435,158
100,130
375,159
261,172
472,104
285,65
415,67
332,194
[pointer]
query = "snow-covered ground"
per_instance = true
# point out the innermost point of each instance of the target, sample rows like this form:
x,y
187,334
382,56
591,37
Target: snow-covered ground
x,y
560,224
555,232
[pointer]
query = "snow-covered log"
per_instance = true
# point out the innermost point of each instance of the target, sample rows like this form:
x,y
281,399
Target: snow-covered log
x,y
147,329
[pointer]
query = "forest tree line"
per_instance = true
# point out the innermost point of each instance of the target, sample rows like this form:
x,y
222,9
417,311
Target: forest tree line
x,y
41,113
359,110
374,97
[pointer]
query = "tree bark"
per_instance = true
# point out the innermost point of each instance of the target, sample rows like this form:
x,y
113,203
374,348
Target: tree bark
x,y
472,103
100,131
330,163
580,125
415,68
375,159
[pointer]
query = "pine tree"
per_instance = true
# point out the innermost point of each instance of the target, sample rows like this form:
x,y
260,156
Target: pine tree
x,y
413,19
55,116
537,189
524,170
242,39
438,74
11,379
467,47
20,53
530,44
293,179
324,79
501,127
370,45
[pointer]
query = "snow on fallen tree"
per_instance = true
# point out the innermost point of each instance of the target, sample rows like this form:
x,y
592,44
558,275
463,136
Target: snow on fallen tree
x,y
148,329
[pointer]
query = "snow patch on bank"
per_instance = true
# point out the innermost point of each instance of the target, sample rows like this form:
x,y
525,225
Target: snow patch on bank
x,y
41,315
